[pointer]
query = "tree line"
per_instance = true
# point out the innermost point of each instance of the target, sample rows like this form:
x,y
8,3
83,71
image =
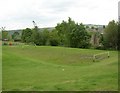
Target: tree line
x,y
68,33
71,34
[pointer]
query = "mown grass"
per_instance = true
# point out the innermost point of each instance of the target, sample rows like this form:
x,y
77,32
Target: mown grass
x,y
57,68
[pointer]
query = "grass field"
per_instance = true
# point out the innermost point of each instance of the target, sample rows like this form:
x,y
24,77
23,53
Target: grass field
x,y
57,68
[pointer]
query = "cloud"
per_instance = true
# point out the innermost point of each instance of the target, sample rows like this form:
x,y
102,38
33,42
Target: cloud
x,y
17,14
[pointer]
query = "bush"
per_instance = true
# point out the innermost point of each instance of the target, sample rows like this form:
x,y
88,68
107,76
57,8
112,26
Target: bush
x,y
5,43
54,42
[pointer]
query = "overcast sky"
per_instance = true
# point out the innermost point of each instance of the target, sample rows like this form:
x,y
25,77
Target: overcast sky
x,y
19,14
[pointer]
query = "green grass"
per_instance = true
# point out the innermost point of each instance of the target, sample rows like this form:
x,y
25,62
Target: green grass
x,y
41,68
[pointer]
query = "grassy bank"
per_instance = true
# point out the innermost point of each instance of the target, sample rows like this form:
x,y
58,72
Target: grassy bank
x,y
57,68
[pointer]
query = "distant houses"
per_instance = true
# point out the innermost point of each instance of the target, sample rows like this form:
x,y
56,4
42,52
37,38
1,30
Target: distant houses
x,y
92,27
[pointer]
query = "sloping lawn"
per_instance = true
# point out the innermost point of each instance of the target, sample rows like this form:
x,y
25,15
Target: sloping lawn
x,y
57,68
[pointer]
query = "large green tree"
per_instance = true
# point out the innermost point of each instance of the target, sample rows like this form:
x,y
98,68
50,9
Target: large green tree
x,y
73,34
111,35
79,37
35,36
64,29
26,35
16,36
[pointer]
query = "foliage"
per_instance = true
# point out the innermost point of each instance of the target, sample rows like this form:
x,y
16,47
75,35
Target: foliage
x,y
54,38
26,35
46,36
73,34
111,35
4,35
16,36
64,29
79,37
69,34
35,36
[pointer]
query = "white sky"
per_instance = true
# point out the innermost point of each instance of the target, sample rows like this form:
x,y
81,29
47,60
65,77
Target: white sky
x,y
19,14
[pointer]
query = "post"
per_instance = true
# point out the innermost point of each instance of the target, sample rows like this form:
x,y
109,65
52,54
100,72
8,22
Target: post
x,y
108,54
93,58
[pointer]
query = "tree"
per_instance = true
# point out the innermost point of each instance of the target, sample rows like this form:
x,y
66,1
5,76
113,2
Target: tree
x,y
4,35
72,34
16,36
111,35
54,39
64,29
35,36
26,35
79,37
93,27
46,36
87,27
